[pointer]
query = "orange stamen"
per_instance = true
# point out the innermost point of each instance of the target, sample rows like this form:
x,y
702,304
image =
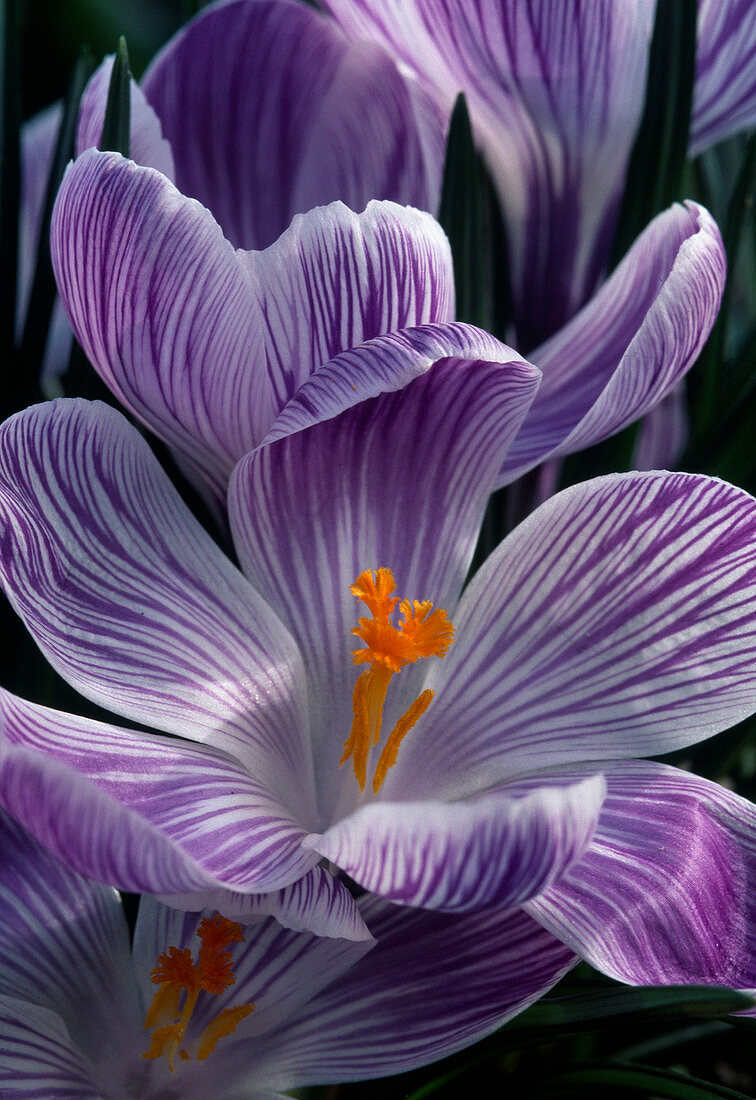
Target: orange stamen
x,y
177,974
423,631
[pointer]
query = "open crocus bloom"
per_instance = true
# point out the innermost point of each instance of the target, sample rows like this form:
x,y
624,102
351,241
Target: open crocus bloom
x,y
618,620
555,91
208,345
203,1007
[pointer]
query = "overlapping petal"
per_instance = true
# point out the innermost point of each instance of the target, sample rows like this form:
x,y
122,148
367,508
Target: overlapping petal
x,y
434,983
205,344
725,90
39,1058
399,480
618,619
492,850
683,908
631,344
318,902
555,94
148,813
64,946
134,603
270,112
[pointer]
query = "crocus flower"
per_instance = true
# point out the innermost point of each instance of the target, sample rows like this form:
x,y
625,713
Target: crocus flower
x,y
261,109
555,91
617,621
206,345
202,1007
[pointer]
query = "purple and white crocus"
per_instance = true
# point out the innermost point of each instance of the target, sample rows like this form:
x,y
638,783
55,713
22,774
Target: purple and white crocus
x,y
618,620
74,997
555,92
263,109
206,344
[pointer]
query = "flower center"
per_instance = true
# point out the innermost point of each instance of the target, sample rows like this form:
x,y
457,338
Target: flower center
x,y
421,632
182,980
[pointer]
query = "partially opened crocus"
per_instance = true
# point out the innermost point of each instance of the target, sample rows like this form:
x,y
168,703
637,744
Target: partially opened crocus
x,y
455,751
207,344
555,91
261,109
204,1007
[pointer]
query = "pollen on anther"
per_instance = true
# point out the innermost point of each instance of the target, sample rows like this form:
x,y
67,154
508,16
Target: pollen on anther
x,y
180,979
422,631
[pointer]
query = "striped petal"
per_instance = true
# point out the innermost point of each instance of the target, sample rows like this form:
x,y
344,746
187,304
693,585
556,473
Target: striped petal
x,y
317,902
38,1057
147,145
205,344
146,813
398,481
555,94
133,603
725,92
271,111
433,984
666,892
64,960
492,850
631,344
619,619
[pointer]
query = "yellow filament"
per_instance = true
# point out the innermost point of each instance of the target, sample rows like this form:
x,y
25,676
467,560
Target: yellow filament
x,y
423,631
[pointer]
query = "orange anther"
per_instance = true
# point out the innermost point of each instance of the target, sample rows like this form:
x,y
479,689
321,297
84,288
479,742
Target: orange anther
x,y
423,631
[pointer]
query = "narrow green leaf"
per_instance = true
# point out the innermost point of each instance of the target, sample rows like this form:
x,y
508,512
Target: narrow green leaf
x,y
607,1007
470,215
655,172
631,1080
37,323
711,404
461,215
10,176
116,129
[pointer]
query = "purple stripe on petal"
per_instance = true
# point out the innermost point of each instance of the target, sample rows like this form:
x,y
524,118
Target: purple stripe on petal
x,y
618,619
631,344
64,947
666,892
399,481
555,94
433,984
460,856
271,111
725,92
145,813
132,601
162,307
318,903
206,345
38,1058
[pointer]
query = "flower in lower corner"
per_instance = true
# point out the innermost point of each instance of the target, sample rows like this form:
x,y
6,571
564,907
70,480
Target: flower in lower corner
x,y
474,749
203,1007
